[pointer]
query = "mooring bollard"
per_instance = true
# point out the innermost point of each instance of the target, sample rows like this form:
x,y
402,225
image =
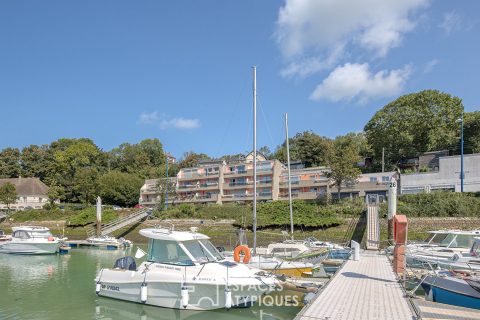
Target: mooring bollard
x,y
355,250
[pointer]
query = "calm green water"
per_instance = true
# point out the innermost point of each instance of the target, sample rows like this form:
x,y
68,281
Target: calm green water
x,y
62,287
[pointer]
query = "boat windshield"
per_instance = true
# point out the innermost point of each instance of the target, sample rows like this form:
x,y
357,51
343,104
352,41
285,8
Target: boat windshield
x,y
458,241
40,233
168,252
202,250
475,251
436,238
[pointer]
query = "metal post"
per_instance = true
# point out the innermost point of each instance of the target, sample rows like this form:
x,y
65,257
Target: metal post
x,y
383,159
254,224
289,182
461,157
166,184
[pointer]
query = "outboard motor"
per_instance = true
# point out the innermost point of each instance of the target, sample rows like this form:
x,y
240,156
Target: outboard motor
x,y
126,263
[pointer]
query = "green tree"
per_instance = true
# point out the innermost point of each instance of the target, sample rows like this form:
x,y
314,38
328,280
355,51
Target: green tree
x,y
8,194
74,161
144,159
55,193
472,132
85,186
10,163
413,124
308,147
192,159
342,158
36,161
120,188
165,186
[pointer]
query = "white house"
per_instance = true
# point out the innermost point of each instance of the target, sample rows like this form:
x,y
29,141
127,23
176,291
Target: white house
x,y
31,193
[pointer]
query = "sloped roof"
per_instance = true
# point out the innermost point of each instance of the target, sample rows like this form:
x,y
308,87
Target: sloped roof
x,y
27,186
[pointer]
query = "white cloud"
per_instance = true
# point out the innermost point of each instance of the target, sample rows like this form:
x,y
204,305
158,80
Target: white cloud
x,y
166,122
430,65
148,118
356,81
309,31
180,123
451,22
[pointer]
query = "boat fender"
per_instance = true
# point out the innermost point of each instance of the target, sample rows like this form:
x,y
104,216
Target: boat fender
x,y
143,293
245,250
429,296
228,298
184,297
51,238
97,287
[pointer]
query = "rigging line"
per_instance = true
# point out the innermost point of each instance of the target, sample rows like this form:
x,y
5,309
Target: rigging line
x,y
231,117
266,122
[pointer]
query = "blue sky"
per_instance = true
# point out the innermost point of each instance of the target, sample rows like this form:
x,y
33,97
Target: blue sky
x,y
121,71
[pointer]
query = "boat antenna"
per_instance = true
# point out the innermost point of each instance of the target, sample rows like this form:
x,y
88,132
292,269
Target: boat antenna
x,y
254,223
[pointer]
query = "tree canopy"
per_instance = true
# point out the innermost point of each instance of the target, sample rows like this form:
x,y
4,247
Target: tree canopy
x,y
8,194
308,147
413,124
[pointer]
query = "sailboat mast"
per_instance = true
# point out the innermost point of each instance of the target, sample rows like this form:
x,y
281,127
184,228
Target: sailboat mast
x,y
254,160
289,180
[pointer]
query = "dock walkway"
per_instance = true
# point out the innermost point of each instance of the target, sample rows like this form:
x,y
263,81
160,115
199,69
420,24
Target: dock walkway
x,y
365,289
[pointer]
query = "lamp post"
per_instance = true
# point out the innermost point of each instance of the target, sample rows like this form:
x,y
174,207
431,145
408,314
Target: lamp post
x,y
462,174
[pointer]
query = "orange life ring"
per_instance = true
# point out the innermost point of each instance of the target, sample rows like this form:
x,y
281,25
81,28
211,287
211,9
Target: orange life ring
x,y
245,250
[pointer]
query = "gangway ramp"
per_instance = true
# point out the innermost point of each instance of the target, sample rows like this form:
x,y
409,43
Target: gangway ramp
x,y
119,223
373,224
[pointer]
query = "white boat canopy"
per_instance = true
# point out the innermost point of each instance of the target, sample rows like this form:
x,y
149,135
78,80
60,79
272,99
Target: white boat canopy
x,y
167,234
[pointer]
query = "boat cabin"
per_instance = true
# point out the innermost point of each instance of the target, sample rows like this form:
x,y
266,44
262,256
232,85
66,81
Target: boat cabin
x,y
180,248
31,232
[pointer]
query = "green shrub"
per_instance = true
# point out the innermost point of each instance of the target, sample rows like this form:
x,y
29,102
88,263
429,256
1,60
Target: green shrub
x,y
89,215
438,204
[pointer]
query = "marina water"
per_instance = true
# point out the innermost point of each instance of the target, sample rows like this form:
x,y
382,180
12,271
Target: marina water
x,y
52,287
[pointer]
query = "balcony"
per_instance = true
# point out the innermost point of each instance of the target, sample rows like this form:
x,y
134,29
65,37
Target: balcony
x,y
198,176
197,199
198,187
245,197
248,173
302,195
305,183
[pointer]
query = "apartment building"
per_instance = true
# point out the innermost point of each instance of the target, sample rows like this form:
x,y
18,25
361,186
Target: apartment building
x,y
306,183
221,182
366,184
238,179
201,184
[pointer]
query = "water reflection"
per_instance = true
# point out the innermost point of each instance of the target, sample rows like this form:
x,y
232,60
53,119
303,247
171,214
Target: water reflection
x,y
32,269
114,309
58,287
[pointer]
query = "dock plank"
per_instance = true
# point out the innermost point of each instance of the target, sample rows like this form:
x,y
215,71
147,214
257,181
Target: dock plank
x,y
363,290
439,311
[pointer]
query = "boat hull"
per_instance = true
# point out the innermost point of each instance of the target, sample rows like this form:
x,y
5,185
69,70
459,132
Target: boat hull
x,y
452,291
29,248
202,296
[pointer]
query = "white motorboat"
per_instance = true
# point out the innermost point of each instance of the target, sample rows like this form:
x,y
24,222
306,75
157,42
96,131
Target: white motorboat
x,y
110,241
31,240
4,237
459,261
183,270
441,246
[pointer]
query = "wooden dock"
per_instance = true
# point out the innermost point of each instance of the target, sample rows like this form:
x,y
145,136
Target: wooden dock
x,y
438,311
361,290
